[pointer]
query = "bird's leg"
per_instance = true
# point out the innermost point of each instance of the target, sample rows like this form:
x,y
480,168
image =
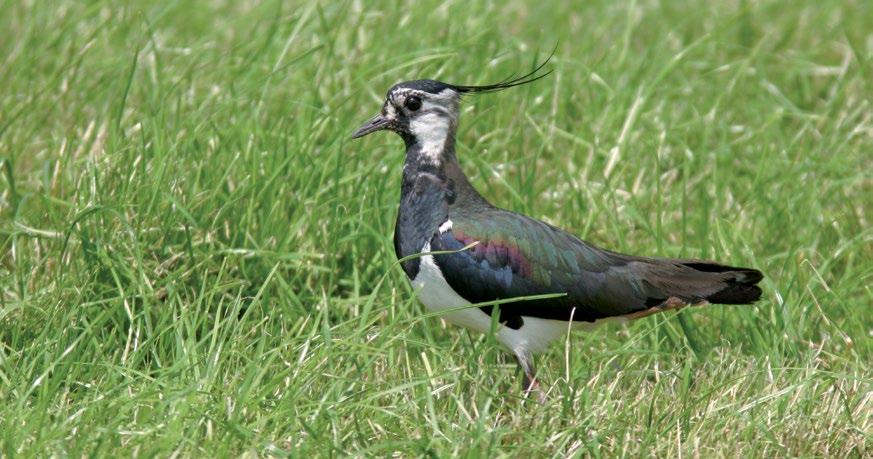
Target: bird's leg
x,y
529,380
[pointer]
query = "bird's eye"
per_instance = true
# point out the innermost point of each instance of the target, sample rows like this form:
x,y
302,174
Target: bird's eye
x,y
412,102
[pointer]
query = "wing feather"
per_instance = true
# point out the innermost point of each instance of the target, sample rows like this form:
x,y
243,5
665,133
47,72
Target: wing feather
x,y
520,256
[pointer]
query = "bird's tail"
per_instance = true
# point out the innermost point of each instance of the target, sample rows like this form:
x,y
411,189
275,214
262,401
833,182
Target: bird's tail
x,y
739,285
693,281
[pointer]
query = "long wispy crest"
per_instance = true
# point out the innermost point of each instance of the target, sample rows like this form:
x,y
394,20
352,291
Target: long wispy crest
x,y
509,81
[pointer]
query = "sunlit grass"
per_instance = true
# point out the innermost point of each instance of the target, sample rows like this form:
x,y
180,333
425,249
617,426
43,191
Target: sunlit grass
x,y
197,260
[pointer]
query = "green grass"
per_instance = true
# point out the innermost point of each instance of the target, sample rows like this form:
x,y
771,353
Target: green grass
x,y
196,260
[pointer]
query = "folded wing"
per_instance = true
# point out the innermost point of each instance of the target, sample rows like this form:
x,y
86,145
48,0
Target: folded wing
x,y
520,256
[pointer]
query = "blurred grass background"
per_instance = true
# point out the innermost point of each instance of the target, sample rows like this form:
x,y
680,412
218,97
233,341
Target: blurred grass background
x,y
195,259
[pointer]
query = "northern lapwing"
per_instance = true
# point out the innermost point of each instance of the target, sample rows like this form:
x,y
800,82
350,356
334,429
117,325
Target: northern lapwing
x,y
515,255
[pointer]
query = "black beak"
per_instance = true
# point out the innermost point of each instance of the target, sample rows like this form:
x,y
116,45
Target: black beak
x,y
376,123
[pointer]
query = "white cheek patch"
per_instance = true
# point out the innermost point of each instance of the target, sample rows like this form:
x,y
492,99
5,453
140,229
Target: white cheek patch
x,y
431,130
390,111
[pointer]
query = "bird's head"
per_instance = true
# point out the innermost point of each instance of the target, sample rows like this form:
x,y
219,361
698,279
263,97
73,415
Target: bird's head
x,y
416,110
426,111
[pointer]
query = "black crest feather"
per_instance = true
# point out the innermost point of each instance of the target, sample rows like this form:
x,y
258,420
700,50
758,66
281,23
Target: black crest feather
x,y
509,81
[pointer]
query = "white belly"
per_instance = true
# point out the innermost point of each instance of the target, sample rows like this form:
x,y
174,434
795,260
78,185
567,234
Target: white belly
x,y
436,294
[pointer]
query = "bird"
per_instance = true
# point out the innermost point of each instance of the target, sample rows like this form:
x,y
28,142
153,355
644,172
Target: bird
x,y
464,256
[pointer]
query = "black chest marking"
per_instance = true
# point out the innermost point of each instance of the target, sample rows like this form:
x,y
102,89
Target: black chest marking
x,y
424,206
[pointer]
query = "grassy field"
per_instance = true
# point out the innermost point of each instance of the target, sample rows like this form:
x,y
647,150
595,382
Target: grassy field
x,y
195,260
